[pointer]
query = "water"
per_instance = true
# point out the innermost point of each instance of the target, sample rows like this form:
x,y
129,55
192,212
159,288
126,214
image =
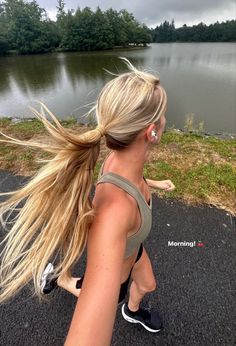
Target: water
x,y
199,78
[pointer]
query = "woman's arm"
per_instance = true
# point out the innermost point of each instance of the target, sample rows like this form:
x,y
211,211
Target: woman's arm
x,y
95,311
166,185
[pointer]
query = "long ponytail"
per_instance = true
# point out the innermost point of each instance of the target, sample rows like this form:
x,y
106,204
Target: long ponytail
x,y
57,211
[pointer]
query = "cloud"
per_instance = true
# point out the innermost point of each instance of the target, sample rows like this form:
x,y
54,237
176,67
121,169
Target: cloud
x,y
153,12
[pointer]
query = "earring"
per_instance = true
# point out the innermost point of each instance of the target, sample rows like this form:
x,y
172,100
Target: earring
x,y
154,134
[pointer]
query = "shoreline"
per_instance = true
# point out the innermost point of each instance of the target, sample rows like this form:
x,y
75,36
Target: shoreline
x,y
216,134
58,50
13,53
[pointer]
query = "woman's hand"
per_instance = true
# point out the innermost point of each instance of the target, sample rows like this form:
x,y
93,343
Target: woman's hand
x,y
166,185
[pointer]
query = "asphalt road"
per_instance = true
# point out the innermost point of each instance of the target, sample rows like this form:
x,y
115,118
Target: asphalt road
x,y
195,294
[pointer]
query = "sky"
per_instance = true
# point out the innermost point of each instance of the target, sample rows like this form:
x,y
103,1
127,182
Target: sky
x,y
155,12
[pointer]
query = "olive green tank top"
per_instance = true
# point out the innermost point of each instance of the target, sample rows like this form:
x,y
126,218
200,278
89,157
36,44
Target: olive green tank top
x,y
133,241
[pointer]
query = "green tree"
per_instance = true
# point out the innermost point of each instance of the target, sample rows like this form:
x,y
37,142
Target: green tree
x,y
129,25
141,35
61,18
87,30
166,32
76,35
60,9
136,33
29,29
117,27
4,44
217,32
102,34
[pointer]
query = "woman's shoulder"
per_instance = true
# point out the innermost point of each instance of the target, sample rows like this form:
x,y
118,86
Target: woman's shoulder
x,y
107,194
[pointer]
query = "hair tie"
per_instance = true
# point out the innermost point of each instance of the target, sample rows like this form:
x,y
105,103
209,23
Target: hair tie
x,y
101,129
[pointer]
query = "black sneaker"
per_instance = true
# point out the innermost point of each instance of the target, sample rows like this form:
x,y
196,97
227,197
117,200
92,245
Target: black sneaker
x,y
149,320
48,284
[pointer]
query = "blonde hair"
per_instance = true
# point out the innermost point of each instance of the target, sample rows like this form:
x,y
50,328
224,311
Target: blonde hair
x,y
57,211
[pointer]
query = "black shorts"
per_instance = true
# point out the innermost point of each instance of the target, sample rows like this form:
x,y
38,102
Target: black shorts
x,y
124,285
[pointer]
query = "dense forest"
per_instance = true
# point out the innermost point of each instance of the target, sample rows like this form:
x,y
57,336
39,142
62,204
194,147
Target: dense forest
x,y
217,32
25,28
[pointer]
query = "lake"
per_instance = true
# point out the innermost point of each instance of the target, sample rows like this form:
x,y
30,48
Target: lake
x,y
199,78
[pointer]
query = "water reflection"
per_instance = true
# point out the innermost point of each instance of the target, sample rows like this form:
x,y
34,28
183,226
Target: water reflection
x,y
199,78
41,72
88,67
31,73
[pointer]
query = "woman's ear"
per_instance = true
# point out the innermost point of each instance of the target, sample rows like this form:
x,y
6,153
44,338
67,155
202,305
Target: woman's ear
x,y
151,133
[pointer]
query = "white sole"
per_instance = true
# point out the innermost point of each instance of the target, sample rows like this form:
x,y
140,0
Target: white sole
x,y
47,270
129,319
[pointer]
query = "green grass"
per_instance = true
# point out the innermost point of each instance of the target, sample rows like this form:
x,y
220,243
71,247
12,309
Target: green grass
x,y
5,121
162,170
11,158
209,177
225,148
26,156
159,170
28,127
70,121
5,149
198,181
32,126
179,138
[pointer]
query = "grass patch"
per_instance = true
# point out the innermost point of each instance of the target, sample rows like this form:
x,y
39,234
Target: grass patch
x,y
28,127
27,156
4,122
179,138
226,148
203,169
11,157
5,149
159,170
208,178
69,122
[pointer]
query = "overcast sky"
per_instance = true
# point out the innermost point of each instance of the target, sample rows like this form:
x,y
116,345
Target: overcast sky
x,y
154,12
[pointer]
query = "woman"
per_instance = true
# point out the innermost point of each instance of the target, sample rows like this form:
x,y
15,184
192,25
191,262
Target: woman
x,y
59,220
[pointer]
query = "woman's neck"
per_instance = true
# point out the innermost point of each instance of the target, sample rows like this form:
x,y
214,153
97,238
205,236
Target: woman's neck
x,y
129,163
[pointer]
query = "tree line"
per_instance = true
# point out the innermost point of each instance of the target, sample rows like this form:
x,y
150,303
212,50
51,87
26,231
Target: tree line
x,y
217,32
26,28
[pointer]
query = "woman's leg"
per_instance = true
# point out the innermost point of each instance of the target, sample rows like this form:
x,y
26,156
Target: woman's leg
x,y
143,281
141,274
